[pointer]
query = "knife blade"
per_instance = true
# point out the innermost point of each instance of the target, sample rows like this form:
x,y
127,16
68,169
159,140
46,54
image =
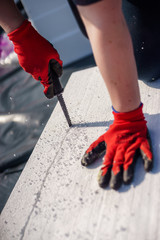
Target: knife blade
x,y
58,89
64,108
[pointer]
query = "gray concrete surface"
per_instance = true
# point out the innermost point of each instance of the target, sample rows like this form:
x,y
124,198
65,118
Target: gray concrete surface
x,y
56,198
14,153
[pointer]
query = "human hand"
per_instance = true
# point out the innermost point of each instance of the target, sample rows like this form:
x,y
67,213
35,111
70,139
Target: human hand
x,y
37,56
125,137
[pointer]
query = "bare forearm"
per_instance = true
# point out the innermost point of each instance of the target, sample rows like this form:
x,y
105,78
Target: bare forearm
x,y
10,16
112,47
115,58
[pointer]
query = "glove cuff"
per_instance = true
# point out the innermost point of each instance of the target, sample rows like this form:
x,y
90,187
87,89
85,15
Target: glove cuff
x,y
114,110
134,115
18,34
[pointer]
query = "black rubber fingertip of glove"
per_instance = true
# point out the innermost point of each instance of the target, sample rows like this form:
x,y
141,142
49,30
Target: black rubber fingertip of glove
x,y
116,180
93,155
148,164
128,175
89,158
103,180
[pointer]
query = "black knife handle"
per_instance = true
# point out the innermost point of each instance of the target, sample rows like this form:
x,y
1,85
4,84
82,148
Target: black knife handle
x,y
53,77
57,85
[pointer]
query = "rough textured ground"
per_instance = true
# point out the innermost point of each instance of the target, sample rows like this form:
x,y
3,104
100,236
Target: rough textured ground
x,y
56,198
24,112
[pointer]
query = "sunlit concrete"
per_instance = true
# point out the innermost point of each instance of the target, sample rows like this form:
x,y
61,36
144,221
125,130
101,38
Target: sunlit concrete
x,y
56,198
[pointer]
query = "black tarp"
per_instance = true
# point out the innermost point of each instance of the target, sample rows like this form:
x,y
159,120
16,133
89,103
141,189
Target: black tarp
x,y
24,111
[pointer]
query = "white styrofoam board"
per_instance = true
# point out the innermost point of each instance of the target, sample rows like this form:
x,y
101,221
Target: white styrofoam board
x,y
57,198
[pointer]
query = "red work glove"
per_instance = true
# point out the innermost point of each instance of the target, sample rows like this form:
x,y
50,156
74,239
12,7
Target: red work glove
x,y
125,136
36,56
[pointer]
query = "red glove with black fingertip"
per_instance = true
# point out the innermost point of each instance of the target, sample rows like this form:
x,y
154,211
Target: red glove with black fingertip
x,y
125,137
37,56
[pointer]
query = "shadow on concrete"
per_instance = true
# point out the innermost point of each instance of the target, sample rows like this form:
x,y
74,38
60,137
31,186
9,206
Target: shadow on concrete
x,y
92,124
